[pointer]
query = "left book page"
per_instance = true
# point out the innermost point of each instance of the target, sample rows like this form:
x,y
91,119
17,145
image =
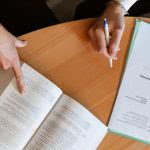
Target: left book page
x,y
21,115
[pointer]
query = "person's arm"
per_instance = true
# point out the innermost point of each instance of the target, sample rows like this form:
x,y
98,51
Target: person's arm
x,y
8,55
114,13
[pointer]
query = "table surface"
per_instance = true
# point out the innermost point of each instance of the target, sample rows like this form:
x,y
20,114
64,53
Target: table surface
x,y
63,53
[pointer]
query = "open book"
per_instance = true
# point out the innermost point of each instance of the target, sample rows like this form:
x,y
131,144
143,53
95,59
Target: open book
x,y
44,118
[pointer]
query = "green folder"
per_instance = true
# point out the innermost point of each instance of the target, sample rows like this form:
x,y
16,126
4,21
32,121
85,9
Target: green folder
x,y
136,29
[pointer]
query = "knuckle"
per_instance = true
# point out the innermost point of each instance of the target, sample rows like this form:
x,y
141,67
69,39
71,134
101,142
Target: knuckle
x,y
5,66
102,51
15,60
98,30
120,29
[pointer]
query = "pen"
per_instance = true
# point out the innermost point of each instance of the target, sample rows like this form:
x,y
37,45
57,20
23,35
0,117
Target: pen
x,y
106,30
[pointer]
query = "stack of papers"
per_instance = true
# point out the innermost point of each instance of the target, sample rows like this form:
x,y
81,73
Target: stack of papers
x,y
131,113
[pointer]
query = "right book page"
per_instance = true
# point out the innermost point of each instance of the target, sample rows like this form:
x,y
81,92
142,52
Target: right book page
x,y
69,126
131,113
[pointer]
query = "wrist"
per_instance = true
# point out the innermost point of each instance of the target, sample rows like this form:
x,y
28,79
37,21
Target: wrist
x,y
116,7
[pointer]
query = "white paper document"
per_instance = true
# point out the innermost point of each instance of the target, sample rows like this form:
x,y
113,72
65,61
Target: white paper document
x,y
131,113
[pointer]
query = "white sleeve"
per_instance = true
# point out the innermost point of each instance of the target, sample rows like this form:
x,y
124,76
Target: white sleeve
x,y
127,3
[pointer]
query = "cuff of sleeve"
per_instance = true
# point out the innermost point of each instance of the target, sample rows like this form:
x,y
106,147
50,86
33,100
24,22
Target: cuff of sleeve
x,y
126,3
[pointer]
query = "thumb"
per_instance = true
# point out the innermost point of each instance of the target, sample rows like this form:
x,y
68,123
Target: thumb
x,y
20,43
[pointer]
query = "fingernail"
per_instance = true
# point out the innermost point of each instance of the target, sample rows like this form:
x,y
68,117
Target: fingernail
x,y
115,58
25,42
22,87
22,90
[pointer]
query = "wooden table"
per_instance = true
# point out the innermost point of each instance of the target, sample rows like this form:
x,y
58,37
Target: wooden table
x,y
63,54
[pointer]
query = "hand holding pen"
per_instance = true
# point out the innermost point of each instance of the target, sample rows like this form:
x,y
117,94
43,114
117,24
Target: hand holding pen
x,y
115,18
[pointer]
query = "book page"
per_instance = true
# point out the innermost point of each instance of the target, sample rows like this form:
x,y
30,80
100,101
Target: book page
x,y
69,126
131,113
21,115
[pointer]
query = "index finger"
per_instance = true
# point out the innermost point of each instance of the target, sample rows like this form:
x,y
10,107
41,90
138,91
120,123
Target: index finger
x,y
19,76
101,42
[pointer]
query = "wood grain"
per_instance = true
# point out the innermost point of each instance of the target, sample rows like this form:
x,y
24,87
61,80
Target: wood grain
x,y
63,54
